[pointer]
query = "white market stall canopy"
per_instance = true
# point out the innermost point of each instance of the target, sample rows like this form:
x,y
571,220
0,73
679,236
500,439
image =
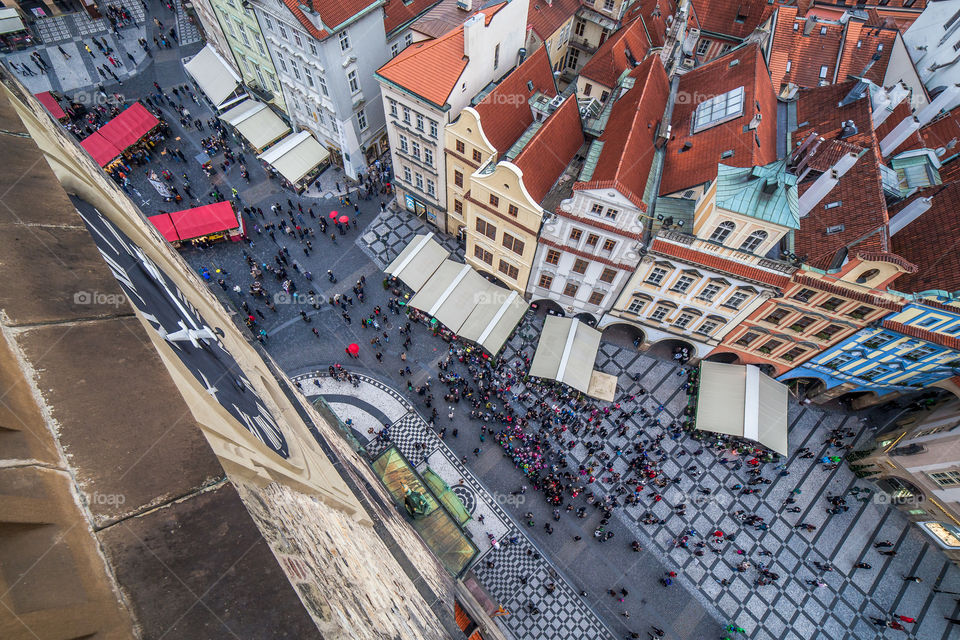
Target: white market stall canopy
x,y
418,260
295,156
256,122
450,294
566,352
10,21
214,76
493,319
741,401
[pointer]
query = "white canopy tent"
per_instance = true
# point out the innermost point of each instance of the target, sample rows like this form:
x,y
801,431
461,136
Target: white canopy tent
x,y
256,122
418,260
10,21
295,156
450,294
492,321
217,79
566,352
740,400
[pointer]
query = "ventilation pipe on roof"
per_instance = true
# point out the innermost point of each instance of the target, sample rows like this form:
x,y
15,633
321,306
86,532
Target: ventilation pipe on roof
x,y
823,185
885,101
849,129
911,123
916,208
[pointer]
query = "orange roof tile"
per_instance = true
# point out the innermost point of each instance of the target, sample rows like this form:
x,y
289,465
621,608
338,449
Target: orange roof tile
x,y
397,13
631,131
943,132
734,18
546,16
806,54
863,43
611,58
333,13
801,277
505,113
551,149
444,58
711,261
914,331
654,15
698,164
932,241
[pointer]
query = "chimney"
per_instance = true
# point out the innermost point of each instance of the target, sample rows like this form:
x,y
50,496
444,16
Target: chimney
x,y
849,129
809,25
911,123
471,32
465,5
916,208
823,185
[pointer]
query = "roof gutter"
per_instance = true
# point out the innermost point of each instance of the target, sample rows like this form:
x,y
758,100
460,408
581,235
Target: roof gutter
x,y
402,89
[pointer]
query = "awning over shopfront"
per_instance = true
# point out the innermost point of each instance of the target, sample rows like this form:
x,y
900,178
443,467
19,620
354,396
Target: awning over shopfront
x,y
295,156
10,21
566,352
218,81
50,104
197,222
126,129
102,151
418,260
741,401
256,122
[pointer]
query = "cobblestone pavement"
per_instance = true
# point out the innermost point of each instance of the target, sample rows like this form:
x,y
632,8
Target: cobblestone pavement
x,y
187,31
393,230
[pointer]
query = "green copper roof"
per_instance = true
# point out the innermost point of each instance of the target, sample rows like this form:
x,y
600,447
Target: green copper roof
x,y
593,156
767,193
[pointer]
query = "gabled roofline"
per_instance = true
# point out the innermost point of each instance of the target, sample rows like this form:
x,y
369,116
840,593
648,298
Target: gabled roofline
x,y
444,107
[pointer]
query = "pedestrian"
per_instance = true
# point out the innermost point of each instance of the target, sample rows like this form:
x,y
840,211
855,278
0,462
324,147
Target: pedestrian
x,y
63,53
912,579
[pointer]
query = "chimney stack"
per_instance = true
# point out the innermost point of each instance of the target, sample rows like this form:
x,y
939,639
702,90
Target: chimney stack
x,y
471,32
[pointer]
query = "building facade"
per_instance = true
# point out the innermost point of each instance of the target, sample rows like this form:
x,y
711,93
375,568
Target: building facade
x,y
594,22
212,32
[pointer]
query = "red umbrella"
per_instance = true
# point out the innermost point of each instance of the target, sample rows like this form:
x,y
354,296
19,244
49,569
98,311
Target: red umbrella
x,y
333,215
343,219
353,348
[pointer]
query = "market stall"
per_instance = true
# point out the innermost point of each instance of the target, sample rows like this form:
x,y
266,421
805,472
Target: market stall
x,y
208,223
257,123
566,352
298,158
108,143
216,79
14,34
100,149
418,260
51,105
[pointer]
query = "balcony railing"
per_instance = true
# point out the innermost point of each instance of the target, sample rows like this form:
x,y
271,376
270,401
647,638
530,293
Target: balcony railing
x,y
676,236
582,44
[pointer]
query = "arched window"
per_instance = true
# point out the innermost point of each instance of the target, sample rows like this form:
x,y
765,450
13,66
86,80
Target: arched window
x,y
722,232
753,241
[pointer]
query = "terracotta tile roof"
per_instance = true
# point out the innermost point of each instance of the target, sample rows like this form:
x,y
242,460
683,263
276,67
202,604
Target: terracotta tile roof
x,y
319,34
546,16
734,18
806,54
333,13
817,283
829,152
943,132
551,149
711,261
654,15
504,112
863,210
444,58
932,241
923,334
892,258
628,151
698,164
611,58
857,61
895,117
397,13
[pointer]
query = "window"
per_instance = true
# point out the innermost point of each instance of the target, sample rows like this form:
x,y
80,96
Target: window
x,y
458,207
508,270
362,119
296,70
433,129
283,32
419,122
571,289
659,313
608,245
753,241
636,305
393,108
494,201
407,175
718,109
592,240
403,144
580,266
769,346
513,244
828,332
460,146
823,72
428,156
553,257
920,352
608,5
861,312
839,360
573,58
457,178
580,26
415,150
268,22
877,340
802,323
419,181
709,292
611,214
831,304
804,295
513,210
352,80
575,235
737,299
946,478
875,373
487,229
496,56
707,327
777,315
747,338
344,40
323,85
482,254
477,157
406,115
723,230
683,283
587,88
789,65
545,280
431,188
793,354
702,47
596,209
408,40
928,322
683,320
306,74
604,96
656,276
596,297
296,38
607,275
313,48
283,65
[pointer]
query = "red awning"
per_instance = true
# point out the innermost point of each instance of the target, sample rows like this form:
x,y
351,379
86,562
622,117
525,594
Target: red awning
x,y
202,221
102,151
164,225
128,127
51,105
